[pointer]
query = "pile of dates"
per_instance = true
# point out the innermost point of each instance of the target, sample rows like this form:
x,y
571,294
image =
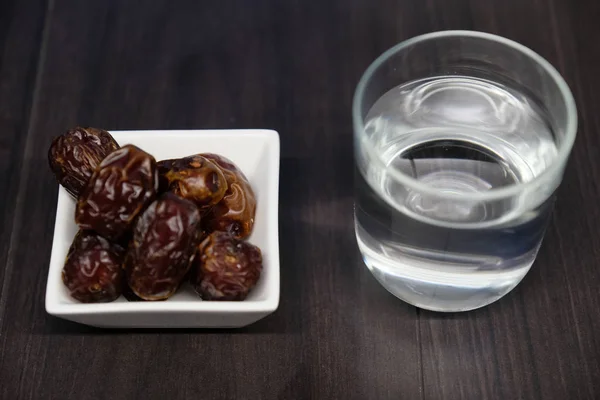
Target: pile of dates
x,y
145,227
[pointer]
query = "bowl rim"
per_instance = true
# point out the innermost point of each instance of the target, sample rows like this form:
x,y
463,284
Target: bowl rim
x,y
268,303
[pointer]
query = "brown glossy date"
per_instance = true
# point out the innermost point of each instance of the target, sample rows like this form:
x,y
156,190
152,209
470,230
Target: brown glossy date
x,y
235,212
122,186
194,178
226,268
93,269
74,156
165,239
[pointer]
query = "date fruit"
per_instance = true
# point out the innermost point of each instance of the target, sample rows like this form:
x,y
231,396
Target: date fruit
x,y
93,270
226,268
194,178
235,212
165,239
123,185
74,156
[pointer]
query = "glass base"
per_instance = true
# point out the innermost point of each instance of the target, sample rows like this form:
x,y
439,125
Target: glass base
x,y
444,287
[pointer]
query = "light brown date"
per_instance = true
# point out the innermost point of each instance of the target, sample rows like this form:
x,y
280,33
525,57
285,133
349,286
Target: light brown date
x,y
194,178
235,212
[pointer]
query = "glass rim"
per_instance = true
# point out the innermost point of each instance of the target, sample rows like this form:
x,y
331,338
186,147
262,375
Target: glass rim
x,y
495,193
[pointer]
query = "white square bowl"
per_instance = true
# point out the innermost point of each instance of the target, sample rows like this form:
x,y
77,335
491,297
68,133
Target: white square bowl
x,y
256,153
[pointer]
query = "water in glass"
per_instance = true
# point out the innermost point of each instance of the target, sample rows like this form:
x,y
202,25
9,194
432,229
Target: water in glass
x,y
460,136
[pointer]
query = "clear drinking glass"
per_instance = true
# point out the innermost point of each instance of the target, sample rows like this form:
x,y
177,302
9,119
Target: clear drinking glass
x,y
461,139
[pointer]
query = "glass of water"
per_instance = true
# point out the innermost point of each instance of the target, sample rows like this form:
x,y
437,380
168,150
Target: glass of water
x,y
461,139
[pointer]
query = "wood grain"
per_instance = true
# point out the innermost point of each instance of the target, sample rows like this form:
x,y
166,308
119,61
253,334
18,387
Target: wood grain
x,y
540,341
290,66
122,65
21,24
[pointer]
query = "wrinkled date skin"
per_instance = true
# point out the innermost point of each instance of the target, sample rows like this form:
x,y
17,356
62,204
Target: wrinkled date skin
x,y
74,156
93,270
226,268
165,239
235,212
194,178
122,186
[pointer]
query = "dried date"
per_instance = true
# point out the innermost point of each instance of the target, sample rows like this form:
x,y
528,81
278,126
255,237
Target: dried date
x,y
194,178
235,212
122,186
93,269
74,156
226,268
165,239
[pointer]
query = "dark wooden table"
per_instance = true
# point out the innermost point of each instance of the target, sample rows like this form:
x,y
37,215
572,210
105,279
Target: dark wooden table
x,y
292,66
